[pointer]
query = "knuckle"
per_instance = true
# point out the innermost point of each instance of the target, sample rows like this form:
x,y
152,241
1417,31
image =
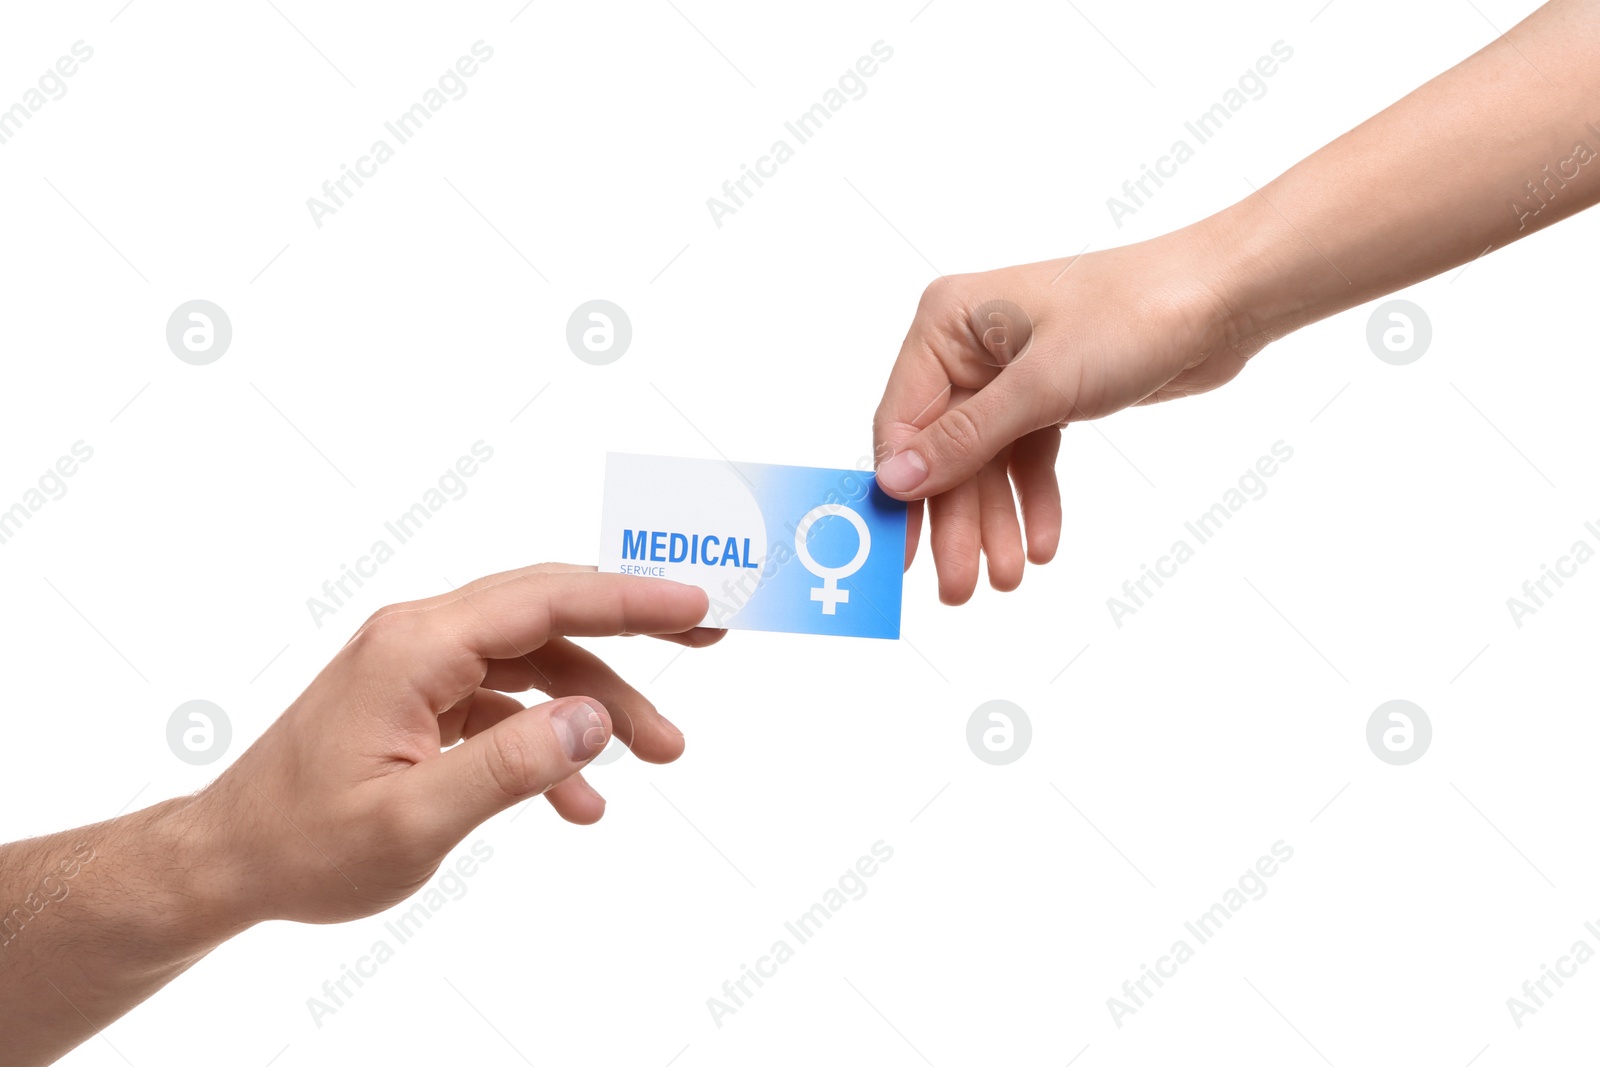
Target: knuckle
x,y
387,624
943,292
962,436
513,763
888,433
957,550
937,294
883,450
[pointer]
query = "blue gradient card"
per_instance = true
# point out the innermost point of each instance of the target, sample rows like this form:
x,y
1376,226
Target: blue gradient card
x,y
797,549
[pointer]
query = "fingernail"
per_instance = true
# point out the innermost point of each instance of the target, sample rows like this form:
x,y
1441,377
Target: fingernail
x,y
903,473
580,730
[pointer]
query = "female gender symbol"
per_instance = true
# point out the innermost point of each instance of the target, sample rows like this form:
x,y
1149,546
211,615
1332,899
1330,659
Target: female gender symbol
x,y
829,592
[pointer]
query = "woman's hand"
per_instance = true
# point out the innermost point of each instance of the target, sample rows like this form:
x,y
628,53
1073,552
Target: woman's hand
x,y
996,364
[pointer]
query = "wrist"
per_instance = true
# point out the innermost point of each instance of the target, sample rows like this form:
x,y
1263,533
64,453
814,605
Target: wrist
x,y
187,885
1272,275
1240,267
1206,278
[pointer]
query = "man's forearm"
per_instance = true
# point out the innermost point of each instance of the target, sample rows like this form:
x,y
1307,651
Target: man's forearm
x,y
95,920
1503,144
348,803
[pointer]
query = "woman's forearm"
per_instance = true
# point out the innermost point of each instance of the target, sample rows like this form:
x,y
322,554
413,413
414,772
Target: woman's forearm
x,y
1503,144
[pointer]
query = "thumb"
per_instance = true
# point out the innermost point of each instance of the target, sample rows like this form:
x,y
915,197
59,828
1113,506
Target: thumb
x,y
956,445
519,757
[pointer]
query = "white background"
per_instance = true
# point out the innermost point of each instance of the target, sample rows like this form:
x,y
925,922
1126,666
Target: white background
x,y
1174,751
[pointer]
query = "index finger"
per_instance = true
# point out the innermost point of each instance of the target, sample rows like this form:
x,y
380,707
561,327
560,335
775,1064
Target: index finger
x,y
441,648
696,637
521,613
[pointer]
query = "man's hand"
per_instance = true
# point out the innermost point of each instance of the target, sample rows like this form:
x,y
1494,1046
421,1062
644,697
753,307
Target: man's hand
x,y
348,803
996,364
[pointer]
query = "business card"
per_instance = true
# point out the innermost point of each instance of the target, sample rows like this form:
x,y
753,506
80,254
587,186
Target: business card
x,y
794,549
